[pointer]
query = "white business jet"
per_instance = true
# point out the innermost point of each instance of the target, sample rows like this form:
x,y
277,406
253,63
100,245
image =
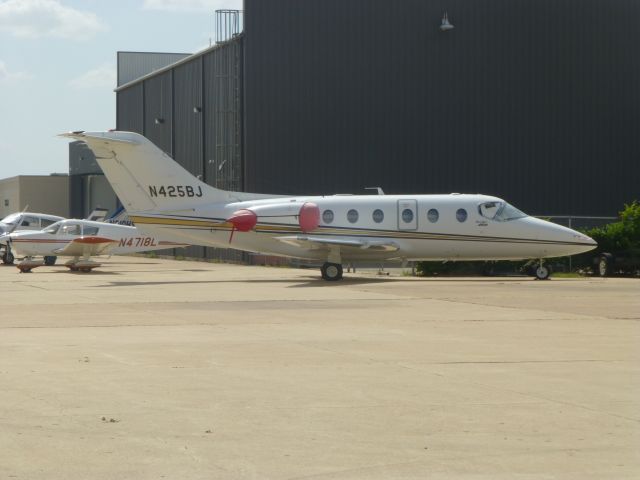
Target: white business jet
x,y
162,198
80,239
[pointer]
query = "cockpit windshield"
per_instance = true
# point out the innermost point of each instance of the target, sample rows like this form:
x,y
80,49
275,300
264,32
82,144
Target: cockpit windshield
x,y
53,229
500,211
11,219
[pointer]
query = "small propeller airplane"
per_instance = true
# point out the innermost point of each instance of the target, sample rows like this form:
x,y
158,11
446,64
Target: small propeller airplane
x,y
162,198
20,221
80,239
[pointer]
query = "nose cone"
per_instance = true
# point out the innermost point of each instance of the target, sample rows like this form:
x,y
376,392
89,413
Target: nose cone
x,y
560,241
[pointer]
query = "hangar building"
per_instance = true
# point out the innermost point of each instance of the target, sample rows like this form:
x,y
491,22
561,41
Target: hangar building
x,y
536,101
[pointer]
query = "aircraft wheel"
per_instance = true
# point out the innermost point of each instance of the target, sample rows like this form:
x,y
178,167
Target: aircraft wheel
x,y
331,271
50,260
543,272
8,258
604,266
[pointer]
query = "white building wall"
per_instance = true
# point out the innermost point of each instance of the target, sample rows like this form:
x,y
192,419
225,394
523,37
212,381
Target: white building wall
x,y
36,193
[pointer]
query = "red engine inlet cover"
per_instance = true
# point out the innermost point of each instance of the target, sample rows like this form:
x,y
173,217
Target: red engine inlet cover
x,y
243,220
309,217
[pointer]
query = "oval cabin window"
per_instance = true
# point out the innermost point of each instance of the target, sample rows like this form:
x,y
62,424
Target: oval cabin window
x,y
407,215
327,216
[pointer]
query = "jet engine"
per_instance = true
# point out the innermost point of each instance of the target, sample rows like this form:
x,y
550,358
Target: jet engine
x,y
245,219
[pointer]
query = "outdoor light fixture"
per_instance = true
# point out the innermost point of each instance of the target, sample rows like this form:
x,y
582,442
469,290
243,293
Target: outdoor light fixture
x,y
445,23
159,120
197,109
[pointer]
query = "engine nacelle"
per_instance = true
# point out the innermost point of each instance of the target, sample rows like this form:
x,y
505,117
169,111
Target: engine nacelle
x,y
308,215
243,220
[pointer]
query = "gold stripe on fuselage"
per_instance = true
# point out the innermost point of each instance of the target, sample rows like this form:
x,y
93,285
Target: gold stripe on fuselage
x,y
280,229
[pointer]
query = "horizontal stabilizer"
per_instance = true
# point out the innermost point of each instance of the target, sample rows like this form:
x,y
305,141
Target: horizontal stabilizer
x,y
100,136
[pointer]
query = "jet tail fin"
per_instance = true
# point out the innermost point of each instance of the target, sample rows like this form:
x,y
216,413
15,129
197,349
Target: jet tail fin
x,y
147,179
98,214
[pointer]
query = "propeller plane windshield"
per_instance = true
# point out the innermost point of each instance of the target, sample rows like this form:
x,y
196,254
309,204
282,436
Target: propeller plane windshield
x,y
163,198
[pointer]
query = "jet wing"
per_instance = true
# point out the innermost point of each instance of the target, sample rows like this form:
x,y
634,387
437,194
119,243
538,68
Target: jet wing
x,y
87,246
311,242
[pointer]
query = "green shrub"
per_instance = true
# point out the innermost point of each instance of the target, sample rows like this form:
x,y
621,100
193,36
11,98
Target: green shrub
x,y
621,235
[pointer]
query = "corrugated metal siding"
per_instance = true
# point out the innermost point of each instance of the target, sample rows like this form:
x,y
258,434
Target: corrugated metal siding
x,y
188,123
187,149
130,109
77,196
158,104
132,65
536,101
222,73
82,161
222,111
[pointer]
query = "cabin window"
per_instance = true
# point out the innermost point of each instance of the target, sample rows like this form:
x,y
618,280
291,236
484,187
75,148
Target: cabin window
x,y
407,215
90,231
45,222
433,215
352,216
378,216
461,215
327,216
29,222
70,230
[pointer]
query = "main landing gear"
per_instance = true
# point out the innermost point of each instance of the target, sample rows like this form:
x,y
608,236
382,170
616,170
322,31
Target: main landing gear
x,y
7,257
331,271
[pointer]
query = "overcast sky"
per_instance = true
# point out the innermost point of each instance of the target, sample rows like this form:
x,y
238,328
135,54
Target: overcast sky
x,y
58,67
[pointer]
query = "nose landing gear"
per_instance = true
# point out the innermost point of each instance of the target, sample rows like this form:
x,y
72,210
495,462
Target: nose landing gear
x,y
542,271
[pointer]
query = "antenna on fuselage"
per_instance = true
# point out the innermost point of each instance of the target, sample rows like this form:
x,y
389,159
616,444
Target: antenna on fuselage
x,y
378,189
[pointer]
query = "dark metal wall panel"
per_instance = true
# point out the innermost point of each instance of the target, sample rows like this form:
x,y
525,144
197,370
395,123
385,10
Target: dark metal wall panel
x,y
158,110
130,109
188,116
535,101
77,195
187,125
82,160
223,116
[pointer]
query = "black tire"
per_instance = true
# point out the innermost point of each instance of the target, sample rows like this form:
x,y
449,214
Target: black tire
x,y
543,272
603,267
50,260
331,272
8,258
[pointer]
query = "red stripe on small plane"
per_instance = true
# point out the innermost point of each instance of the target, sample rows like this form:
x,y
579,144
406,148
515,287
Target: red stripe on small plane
x,y
94,240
